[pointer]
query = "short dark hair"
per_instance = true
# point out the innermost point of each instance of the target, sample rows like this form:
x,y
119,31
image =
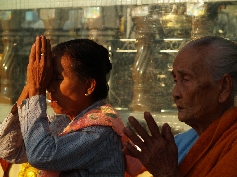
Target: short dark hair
x,y
89,60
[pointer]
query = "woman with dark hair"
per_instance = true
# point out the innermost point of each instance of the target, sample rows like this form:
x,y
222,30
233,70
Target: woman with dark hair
x,y
84,137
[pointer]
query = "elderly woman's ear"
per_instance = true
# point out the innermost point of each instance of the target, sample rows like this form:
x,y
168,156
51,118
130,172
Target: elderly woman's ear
x,y
90,86
225,88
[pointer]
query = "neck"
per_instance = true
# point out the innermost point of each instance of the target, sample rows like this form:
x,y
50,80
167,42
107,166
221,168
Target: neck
x,y
201,125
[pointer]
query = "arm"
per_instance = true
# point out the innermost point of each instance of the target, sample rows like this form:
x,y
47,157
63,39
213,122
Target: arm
x,y
158,152
12,148
11,141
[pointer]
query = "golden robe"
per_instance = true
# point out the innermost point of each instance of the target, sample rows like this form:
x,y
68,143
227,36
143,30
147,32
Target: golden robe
x,y
215,152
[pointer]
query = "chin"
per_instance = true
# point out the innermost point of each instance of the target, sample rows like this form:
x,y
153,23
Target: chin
x,y
182,117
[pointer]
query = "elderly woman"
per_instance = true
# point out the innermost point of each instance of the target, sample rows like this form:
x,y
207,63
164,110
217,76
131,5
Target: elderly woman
x,y
85,136
204,72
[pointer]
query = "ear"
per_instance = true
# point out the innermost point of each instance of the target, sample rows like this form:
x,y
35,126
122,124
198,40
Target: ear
x,y
226,88
90,86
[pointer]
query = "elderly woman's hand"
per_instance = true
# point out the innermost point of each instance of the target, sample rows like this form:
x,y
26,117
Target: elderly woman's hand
x,y
39,70
158,151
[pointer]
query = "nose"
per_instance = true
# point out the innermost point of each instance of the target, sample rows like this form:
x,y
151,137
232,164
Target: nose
x,y
176,93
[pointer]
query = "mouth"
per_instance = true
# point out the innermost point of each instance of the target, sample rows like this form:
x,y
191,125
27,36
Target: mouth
x,y
180,108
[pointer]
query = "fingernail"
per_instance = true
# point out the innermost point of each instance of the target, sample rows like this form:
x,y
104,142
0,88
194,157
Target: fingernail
x,y
147,113
130,118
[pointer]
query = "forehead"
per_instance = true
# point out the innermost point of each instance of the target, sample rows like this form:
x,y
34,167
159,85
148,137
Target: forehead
x,y
61,63
189,62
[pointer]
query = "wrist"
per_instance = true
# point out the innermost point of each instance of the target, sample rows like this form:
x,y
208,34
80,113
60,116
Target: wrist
x,y
24,95
14,109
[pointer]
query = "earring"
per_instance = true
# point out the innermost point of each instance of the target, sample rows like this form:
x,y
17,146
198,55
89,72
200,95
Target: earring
x,y
86,94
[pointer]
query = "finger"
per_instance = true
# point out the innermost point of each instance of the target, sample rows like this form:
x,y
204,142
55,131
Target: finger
x,y
43,51
167,134
131,150
134,137
127,152
32,55
32,58
153,127
139,129
38,49
49,54
43,44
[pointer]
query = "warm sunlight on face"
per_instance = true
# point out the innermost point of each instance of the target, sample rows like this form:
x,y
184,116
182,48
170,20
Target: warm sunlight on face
x,y
66,92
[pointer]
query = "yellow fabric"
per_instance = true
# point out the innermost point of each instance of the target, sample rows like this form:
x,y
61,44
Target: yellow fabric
x,y
28,171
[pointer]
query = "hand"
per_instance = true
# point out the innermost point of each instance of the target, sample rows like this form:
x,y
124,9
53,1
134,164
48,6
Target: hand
x,y
159,153
39,70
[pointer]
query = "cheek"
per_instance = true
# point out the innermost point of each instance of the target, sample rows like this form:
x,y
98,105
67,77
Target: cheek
x,y
71,93
66,88
192,99
201,103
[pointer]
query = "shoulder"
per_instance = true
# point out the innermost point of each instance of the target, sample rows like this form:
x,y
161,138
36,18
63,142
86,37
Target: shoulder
x,y
101,133
99,129
184,142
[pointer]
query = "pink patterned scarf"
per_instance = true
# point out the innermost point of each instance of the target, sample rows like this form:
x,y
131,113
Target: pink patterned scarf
x,y
101,116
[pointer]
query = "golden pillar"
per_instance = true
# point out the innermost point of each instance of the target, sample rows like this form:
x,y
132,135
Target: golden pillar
x,y
11,23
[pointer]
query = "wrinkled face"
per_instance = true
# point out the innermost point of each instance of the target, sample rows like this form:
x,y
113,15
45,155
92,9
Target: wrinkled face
x,y
195,96
66,91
